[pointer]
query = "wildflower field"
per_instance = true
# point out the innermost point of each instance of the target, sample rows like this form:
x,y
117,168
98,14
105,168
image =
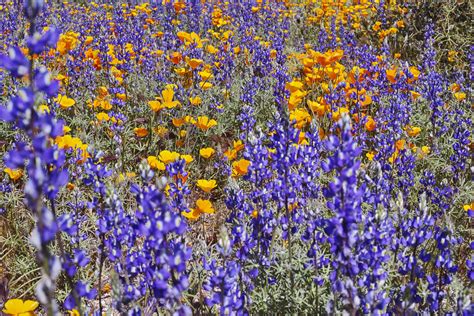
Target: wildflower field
x,y
236,157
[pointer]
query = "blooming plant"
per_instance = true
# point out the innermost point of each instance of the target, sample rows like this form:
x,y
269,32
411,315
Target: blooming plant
x,y
236,158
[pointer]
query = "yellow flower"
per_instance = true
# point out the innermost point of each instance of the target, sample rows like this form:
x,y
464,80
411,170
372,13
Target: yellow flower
x,y
43,108
175,57
394,157
238,145
187,158
205,75
206,185
412,130
370,125
207,152
295,99
194,63
422,152
273,54
202,206
67,42
117,74
240,167
178,122
328,57
377,26
367,100
64,101
103,104
74,312
400,144
468,207
88,40
190,38
155,105
455,87
168,95
205,206
20,308
107,287
193,214
452,55
189,119
14,174
293,86
183,36
336,115
302,139
318,108
211,49
140,131
102,116
195,100
181,71
121,96
205,85
167,156
415,73
231,154
391,75
460,96
160,130
370,155
301,116
84,154
67,141
130,174
415,95
155,163
204,123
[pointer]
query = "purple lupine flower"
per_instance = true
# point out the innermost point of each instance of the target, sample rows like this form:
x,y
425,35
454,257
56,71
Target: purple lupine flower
x,y
43,161
444,268
165,274
179,189
16,62
38,43
224,283
32,8
344,199
433,86
460,156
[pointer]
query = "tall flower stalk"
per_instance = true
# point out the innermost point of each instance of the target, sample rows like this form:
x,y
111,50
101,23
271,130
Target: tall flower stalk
x,y
344,199
41,158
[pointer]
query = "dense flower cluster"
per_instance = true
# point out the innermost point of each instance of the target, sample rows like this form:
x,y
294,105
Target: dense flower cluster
x,y
234,158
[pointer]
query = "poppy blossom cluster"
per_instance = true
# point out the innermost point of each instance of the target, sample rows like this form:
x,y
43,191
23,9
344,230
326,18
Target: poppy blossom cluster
x,y
234,158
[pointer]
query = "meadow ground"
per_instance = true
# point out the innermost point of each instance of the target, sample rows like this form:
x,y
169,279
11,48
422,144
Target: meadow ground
x,y
233,158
